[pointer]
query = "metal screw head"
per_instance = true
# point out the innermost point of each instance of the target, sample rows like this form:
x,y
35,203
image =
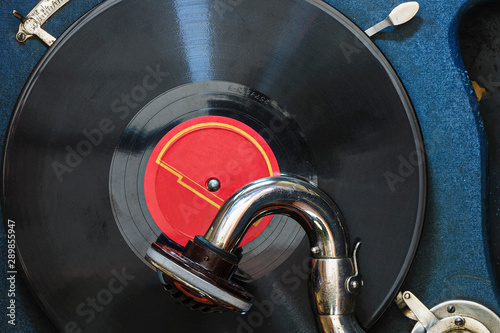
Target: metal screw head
x,y
21,36
206,258
460,321
451,309
315,250
354,284
213,184
406,296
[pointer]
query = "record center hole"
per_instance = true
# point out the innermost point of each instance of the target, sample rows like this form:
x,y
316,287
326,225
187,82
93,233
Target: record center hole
x,y
213,184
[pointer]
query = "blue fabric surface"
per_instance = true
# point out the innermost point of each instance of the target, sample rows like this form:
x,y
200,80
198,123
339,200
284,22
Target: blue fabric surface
x,y
453,259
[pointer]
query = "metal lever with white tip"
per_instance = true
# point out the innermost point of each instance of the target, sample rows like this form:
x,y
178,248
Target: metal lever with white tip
x,y
399,15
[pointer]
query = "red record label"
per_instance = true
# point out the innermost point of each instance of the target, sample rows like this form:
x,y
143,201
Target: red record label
x,y
221,149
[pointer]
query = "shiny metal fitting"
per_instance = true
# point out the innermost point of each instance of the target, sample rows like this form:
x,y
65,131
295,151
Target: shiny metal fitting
x,y
329,286
293,197
335,280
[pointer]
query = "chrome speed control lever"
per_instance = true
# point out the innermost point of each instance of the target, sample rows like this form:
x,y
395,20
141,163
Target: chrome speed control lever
x,y
205,267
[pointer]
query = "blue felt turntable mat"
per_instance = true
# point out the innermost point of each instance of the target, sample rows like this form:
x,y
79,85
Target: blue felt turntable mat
x,y
453,260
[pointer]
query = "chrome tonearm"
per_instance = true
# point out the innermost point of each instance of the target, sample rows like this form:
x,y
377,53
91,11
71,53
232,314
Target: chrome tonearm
x,y
207,263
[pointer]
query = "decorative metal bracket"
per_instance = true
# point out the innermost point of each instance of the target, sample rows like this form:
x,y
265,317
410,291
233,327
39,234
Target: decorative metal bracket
x,y
31,24
449,316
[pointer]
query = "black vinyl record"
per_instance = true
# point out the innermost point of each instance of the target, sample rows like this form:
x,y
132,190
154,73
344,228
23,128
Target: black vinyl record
x,y
298,73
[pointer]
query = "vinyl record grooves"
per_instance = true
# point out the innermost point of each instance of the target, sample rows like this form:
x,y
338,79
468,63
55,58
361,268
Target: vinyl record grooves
x,y
294,81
